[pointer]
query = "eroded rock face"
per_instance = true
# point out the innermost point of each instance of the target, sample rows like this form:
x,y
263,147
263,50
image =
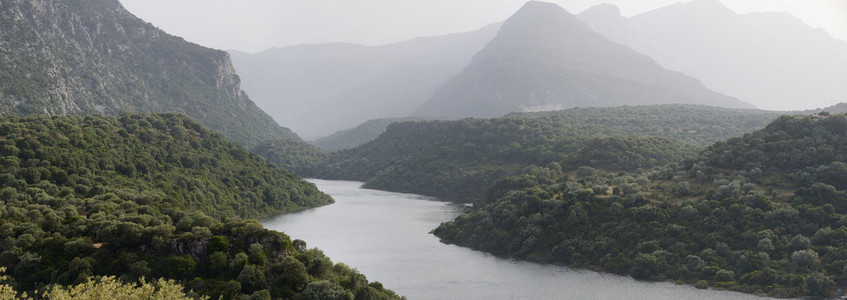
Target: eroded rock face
x,y
93,56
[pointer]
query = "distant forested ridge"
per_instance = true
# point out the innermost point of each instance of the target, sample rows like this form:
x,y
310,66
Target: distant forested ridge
x,y
92,56
365,132
763,213
152,196
458,160
297,157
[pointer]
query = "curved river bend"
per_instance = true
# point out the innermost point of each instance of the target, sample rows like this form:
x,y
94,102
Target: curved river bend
x,y
386,237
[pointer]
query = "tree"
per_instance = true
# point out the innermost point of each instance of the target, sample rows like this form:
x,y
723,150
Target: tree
x,y
252,279
325,290
291,273
805,259
585,171
817,284
645,266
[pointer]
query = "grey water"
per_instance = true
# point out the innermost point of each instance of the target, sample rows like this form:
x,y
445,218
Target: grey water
x,y
386,237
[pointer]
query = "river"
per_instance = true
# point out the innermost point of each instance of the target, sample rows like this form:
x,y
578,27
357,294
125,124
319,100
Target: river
x,y
386,237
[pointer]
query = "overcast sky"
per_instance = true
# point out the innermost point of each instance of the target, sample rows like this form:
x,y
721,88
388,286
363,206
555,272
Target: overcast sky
x,y
255,25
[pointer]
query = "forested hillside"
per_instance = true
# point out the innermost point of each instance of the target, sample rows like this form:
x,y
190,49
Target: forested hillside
x,y
457,160
763,213
92,56
696,125
154,196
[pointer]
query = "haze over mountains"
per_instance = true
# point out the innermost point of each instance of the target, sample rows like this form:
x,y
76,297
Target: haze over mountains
x,y
320,89
86,57
767,59
544,58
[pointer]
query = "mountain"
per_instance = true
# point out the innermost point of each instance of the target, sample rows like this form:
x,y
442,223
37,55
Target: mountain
x,y
322,88
543,58
87,57
762,214
767,59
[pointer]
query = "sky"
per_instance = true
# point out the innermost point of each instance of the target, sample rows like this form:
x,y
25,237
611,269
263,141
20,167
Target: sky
x,y
255,25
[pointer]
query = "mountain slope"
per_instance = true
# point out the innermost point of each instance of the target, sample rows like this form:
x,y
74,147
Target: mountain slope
x,y
174,159
323,88
86,57
767,59
543,58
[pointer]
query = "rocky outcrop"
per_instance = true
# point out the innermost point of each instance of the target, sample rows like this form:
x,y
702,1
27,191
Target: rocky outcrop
x,y
93,56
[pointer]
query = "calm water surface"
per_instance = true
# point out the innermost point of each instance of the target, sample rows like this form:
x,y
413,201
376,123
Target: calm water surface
x,y
386,237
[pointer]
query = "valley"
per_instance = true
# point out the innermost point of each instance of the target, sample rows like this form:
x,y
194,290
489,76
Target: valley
x,y
545,154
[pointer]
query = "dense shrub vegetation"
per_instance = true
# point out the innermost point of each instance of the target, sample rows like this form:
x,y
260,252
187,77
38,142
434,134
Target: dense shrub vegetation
x,y
297,157
763,213
154,196
457,160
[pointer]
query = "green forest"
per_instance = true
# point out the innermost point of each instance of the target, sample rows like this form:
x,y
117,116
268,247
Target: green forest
x,y
690,194
458,160
155,196
763,213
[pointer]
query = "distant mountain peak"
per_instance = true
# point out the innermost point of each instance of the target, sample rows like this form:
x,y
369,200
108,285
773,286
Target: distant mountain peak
x,y
707,8
538,11
710,6
545,58
603,10
541,24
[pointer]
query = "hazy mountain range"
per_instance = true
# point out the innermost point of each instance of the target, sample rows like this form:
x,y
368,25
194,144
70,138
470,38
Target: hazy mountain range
x,y
322,88
544,58
86,57
771,60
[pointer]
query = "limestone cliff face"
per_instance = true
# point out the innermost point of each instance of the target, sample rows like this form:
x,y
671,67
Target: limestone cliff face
x,y
93,56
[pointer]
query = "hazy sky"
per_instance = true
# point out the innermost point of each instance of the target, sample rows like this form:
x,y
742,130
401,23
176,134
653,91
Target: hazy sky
x,y
255,25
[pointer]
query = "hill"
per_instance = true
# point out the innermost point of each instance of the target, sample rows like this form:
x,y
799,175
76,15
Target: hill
x,y
295,156
457,160
544,58
777,56
94,57
319,89
763,213
365,132
153,196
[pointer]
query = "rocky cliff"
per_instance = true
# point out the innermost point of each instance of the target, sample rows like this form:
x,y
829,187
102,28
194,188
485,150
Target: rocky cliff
x,y
93,56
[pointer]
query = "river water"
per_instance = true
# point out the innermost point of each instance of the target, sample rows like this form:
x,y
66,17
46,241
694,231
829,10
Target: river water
x,y
386,237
